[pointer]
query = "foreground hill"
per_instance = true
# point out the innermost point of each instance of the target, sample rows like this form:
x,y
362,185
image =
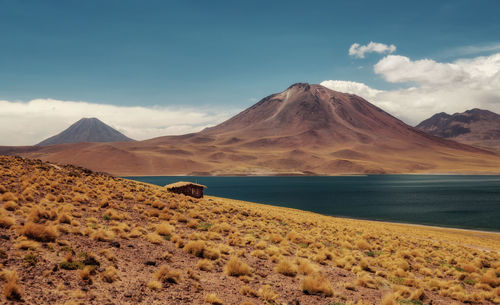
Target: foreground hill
x,y
71,236
474,127
86,130
306,129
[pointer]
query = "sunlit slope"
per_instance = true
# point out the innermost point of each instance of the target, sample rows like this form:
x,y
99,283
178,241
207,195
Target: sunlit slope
x,y
70,236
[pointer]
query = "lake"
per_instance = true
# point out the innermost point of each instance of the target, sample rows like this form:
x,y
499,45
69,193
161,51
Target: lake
x,y
469,202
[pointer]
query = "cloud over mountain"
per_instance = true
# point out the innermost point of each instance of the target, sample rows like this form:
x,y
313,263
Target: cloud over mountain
x,y
26,123
434,86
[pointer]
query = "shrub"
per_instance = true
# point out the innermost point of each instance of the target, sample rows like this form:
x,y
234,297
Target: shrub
x,y
154,285
267,294
38,232
31,258
110,275
363,245
11,289
71,265
164,228
37,214
10,206
305,267
65,218
166,275
155,238
286,267
195,247
317,283
388,299
276,238
85,273
6,221
200,249
259,254
103,235
8,196
205,265
212,298
235,267
366,281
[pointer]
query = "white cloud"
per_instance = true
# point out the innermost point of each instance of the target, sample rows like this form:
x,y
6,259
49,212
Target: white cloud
x,y
436,87
351,87
359,51
27,123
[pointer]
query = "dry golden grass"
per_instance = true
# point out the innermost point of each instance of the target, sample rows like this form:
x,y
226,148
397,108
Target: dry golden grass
x,y
103,235
154,285
286,267
317,283
155,238
248,291
167,275
212,298
110,275
236,267
10,206
164,229
38,232
267,294
6,221
195,247
11,290
205,265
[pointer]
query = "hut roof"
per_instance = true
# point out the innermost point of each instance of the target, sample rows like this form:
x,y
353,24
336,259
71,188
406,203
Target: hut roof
x,y
182,183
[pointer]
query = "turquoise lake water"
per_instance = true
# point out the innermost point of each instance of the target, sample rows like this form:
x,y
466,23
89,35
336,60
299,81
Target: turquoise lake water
x,y
469,202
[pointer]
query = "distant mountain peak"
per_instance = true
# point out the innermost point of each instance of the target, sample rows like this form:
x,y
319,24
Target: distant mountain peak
x,y
86,130
304,86
474,126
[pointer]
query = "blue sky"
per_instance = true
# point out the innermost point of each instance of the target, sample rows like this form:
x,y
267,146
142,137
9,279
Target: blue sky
x,y
221,54
216,52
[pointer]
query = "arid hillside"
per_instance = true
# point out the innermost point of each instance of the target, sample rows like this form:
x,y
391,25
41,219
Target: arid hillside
x,y
306,129
71,236
474,127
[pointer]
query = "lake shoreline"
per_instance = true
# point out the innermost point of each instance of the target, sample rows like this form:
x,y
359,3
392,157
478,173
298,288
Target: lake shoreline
x,y
447,201
401,224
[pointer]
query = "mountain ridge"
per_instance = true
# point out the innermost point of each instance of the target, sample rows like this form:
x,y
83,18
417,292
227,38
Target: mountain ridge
x,y
476,127
303,130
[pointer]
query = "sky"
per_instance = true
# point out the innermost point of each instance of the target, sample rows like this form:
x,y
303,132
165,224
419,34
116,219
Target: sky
x,y
154,68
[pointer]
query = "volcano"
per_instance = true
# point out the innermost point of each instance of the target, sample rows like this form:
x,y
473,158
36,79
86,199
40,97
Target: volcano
x,y
304,130
86,130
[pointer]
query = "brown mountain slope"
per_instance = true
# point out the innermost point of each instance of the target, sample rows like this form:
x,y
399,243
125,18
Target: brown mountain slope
x,y
474,127
306,129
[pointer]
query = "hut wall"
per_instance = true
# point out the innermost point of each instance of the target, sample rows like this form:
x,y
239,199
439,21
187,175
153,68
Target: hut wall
x,y
189,190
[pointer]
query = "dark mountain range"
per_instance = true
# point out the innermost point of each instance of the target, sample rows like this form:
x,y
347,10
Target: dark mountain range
x,y
474,127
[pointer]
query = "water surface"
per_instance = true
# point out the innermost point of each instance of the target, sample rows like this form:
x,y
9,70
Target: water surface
x,y
470,202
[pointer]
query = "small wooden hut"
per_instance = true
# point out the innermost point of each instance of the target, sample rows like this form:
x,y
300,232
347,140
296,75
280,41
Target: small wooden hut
x,y
187,188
